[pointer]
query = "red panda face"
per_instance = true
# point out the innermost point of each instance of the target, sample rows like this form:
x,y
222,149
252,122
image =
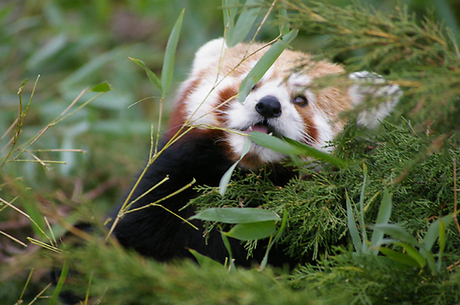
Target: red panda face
x,y
281,103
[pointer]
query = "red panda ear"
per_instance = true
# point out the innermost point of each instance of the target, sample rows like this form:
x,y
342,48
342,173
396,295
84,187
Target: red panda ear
x,y
209,54
373,86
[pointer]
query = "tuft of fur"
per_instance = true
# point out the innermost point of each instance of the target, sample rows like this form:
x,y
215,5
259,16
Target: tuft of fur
x,y
281,104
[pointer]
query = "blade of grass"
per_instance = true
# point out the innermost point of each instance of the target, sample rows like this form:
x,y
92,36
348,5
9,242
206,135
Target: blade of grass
x,y
60,283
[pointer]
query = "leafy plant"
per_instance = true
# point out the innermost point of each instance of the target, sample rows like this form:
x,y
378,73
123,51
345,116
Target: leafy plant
x,y
424,256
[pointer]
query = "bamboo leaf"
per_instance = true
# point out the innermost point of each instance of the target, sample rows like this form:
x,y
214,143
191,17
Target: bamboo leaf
x,y
317,154
399,257
151,75
412,252
264,262
383,217
434,231
203,260
264,64
398,233
102,87
274,143
223,183
365,248
442,244
245,22
352,226
229,250
285,25
168,62
236,215
230,9
291,147
252,230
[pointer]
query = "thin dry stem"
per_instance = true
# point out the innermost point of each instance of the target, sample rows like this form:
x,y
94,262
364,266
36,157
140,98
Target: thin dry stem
x,y
26,215
25,286
40,293
163,199
44,245
13,239
144,194
9,129
51,232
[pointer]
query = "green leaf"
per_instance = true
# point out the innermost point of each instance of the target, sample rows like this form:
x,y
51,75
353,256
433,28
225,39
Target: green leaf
x,y
398,233
24,82
285,26
399,257
434,231
203,260
60,284
291,147
230,9
274,143
245,22
102,87
442,244
264,262
383,217
317,154
264,64
229,250
168,62
151,75
252,230
412,252
352,226
365,248
236,215
223,183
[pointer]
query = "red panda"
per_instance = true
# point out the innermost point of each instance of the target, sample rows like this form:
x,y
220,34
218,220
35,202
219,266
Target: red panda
x,y
280,104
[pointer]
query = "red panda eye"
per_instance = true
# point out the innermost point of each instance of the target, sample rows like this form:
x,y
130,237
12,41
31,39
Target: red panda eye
x,y
256,86
300,100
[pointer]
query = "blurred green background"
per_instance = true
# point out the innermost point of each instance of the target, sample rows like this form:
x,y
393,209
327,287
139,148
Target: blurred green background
x,y
77,44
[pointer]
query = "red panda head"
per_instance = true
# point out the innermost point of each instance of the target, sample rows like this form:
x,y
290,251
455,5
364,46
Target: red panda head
x,y
281,103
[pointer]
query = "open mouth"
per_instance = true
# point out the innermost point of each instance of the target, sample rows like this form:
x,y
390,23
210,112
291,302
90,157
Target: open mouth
x,y
263,127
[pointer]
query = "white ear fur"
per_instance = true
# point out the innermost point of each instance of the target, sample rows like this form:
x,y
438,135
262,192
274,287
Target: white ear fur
x,y
372,85
208,54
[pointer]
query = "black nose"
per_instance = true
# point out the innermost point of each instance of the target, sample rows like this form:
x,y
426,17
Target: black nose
x,y
269,107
